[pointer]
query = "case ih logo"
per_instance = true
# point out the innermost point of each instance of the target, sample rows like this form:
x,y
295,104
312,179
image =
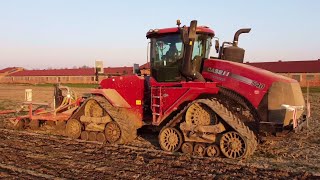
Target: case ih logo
x,y
236,77
218,71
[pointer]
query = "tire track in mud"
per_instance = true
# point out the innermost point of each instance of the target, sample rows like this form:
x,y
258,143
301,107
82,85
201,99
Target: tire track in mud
x,y
29,173
28,155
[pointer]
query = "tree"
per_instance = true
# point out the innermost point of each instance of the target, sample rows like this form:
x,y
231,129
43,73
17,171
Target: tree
x,y
84,67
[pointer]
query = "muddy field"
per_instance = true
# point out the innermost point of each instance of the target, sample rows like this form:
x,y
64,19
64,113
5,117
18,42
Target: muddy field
x,y
45,155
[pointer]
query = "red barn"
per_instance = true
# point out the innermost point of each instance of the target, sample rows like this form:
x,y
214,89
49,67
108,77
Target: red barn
x,y
302,71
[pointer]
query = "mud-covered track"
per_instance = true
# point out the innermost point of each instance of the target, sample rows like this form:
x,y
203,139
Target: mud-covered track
x,y
30,155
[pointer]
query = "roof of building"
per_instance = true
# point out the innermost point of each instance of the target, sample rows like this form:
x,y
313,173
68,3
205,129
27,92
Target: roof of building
x,y
73,72
118,70
8,69
145,66
309,66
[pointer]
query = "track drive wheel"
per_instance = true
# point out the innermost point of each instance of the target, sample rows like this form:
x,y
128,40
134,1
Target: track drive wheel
x,y
93,109
233,145
170,139
199,114
187,148
73,128
112,132
213,151
199,149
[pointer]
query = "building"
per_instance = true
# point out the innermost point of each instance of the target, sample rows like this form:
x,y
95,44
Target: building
x,y
81,75
9,70
145,68
303,71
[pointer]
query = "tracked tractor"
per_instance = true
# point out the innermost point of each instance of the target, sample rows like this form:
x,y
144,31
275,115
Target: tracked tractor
x,y
201,105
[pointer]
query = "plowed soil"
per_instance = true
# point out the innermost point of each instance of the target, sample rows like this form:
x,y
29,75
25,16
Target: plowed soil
x,y
44,154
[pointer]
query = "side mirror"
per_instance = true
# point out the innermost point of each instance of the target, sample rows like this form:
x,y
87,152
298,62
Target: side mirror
x,y
217,45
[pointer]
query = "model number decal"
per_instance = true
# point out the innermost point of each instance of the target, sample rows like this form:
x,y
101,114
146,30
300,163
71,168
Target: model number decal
x,y
258,85
237,77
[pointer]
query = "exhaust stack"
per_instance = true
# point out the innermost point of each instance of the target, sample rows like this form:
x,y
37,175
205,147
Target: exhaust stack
x,y
237,34
233,52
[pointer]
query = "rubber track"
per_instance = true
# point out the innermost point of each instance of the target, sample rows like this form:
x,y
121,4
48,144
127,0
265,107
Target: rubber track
x,y
238,99
235,123
232,120
127,125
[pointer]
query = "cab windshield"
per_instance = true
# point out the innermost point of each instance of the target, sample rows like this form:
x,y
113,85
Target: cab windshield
x,y
167,54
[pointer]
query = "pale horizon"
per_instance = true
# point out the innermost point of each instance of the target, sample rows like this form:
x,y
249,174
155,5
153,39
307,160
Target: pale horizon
x,y
59,34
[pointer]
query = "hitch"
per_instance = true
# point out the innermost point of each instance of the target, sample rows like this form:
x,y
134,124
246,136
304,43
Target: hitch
x,y
298,124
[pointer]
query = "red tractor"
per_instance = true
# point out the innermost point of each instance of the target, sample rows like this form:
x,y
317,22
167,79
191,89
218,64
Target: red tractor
x,y
201,105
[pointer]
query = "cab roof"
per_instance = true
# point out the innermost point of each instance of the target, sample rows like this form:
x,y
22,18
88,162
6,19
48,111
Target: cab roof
x,y
157,32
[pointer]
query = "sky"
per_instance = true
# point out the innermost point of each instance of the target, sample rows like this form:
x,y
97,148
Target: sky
x,y
38,34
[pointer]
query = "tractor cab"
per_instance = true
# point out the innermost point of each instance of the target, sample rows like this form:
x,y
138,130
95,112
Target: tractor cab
x,y
169,50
